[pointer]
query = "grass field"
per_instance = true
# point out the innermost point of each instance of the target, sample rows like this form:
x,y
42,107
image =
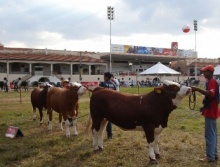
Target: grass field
x,y
181,144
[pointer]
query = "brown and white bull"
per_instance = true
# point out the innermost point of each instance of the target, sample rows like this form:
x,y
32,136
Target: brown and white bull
x,y
148,113
65,102
39,100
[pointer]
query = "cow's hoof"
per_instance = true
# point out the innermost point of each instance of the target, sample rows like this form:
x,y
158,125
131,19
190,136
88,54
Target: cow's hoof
x,y
153,161
157,156
99,149
96,150
40,124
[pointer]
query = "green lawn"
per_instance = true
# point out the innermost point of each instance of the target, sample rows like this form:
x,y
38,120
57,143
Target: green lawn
x,y
181,144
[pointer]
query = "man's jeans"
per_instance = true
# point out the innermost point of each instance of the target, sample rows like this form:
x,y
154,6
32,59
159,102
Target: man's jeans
x,y
109,129
211,137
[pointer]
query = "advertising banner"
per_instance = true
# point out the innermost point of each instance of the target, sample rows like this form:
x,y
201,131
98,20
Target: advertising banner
x,y
146,50
187,53
143,50
174,46
90,83
130,49
117,48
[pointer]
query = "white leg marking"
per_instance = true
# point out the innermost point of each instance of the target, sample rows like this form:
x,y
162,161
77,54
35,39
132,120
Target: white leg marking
x,y
95,140
41,121
156,148
50,125
74,127
61,126
100,132
157,132
67,128
151,151
34,114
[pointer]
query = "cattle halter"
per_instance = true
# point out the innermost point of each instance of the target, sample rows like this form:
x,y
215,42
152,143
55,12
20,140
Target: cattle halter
x,y
192,100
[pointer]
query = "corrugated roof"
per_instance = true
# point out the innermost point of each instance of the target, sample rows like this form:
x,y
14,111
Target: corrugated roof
x,y
47,57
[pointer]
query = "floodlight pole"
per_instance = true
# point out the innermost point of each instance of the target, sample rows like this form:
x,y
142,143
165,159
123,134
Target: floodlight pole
x,y
80,67
110,55
195,29
110,15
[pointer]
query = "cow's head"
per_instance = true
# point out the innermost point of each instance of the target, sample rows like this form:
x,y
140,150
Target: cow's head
x,y
46,85
80,89
176,91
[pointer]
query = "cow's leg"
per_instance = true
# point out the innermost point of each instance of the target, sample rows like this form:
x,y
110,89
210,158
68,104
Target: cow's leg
x,y
157,132
97,129
95,140
100,132
60,121
34,113
74,122
49,112
41,115
67,124
149,132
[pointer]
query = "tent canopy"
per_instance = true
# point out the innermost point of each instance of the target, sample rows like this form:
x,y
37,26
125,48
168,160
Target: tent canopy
x,y
158,69
217,70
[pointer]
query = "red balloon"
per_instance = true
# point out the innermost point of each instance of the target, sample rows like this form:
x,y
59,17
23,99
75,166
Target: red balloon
x,y
186,28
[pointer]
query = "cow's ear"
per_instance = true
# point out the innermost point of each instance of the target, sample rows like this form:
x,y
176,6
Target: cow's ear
x,y
158,89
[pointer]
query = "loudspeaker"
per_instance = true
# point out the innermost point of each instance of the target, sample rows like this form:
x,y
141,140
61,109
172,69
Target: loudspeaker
x,y
13,132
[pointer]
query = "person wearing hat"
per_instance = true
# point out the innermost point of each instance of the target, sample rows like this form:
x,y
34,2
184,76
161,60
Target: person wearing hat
x,y
211,112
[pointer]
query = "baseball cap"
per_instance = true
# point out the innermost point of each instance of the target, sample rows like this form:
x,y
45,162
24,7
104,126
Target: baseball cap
x,y
208,68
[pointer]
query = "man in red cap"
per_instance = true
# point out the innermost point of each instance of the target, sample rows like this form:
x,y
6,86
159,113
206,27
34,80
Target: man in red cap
x,y
211,113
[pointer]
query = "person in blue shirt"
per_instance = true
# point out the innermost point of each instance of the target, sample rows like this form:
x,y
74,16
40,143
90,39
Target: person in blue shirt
x,y
107,83
116,82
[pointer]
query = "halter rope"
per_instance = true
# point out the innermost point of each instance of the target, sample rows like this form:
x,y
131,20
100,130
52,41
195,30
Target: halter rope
x,y
192,100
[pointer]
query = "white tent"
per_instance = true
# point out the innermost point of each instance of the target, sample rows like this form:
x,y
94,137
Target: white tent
x,y
158,69
217,70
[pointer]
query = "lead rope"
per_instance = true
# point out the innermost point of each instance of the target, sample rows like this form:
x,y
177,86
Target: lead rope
x,y
192,100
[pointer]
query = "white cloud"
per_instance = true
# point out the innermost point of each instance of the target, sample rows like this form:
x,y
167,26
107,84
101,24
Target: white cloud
x,y
83,25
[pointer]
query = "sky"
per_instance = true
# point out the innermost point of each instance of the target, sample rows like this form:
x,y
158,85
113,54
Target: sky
x,y
82,25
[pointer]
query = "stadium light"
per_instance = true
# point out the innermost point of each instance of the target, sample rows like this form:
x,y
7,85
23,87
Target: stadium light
x,y
110,16
195,29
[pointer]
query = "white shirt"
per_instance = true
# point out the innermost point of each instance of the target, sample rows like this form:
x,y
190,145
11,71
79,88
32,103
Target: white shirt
x,y
117,84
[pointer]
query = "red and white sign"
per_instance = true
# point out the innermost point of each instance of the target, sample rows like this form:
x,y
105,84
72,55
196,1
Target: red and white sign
x,y
90,83
174,46
13,132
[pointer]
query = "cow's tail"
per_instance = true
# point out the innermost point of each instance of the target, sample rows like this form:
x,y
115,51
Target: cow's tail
x,y
89,124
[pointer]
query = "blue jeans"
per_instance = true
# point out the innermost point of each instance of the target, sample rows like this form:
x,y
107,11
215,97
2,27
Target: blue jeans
x,y
109,129
211,138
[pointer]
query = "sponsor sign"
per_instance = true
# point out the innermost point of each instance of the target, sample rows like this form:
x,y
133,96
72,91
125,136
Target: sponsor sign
x,y
187,53
174,46
144,50
13,132
117,48
90,83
